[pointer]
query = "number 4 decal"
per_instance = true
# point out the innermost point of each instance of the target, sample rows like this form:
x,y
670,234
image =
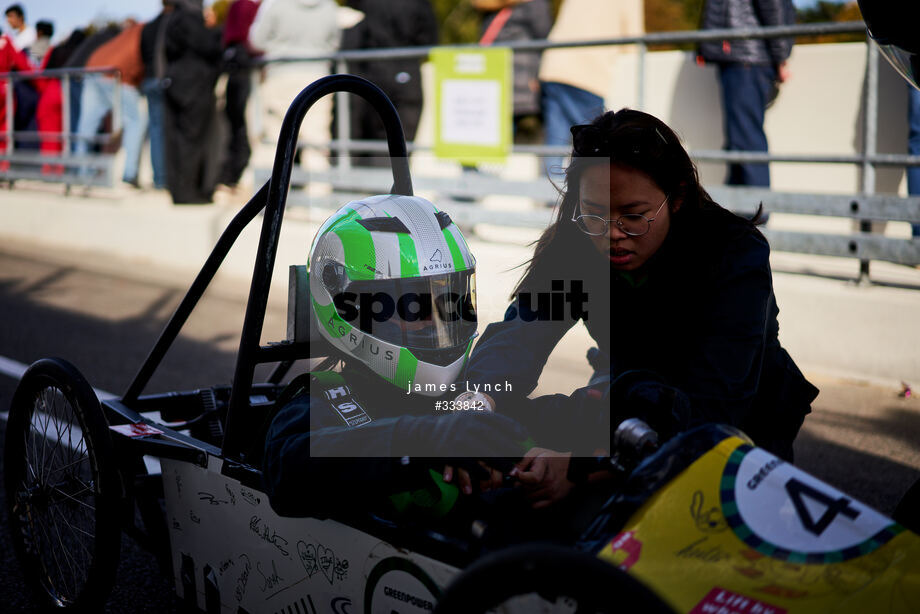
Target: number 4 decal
x,y
798,491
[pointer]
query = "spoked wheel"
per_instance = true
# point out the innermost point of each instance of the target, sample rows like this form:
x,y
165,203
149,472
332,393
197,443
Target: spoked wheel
x,y
565,579
62,488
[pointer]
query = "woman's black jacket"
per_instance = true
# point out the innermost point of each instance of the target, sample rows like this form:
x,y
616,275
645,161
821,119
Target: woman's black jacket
x,y
702,316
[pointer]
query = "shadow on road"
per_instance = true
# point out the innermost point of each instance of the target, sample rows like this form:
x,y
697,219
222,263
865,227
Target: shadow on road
x,y
875,480
895,423
108,351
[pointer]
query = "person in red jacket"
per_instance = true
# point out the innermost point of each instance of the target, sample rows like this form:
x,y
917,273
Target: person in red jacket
x,y
49,117
10,60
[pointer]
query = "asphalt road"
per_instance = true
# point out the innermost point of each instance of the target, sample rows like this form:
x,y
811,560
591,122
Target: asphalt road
x,y
860,438
106,325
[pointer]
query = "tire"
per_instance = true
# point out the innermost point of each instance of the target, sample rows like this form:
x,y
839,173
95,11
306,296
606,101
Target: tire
x,y
63,489
552,572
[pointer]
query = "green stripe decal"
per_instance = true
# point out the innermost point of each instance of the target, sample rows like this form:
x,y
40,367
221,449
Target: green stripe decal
x,y
328,379
332,221
359,247
459,263
331,320
466,355
408,256
465,244
405,369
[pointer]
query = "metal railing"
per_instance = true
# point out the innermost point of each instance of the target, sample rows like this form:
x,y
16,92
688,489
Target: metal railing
x,y
65,167
340,60
863,208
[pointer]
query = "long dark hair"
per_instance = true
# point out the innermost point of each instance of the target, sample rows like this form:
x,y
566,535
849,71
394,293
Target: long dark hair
x,y
628,137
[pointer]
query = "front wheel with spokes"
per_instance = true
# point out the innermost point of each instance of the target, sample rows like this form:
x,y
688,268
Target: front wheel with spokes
x,y
62,488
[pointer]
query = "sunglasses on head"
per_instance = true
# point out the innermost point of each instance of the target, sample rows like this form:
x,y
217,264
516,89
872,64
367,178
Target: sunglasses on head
x,y
589,140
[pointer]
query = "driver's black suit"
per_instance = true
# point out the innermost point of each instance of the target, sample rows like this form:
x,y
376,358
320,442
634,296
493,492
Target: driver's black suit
x,y
334,449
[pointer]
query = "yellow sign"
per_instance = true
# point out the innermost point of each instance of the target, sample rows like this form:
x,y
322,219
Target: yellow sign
x,y
472,103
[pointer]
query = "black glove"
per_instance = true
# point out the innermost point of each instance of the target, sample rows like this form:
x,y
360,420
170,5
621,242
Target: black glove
x,y
471,435
646,395
578,423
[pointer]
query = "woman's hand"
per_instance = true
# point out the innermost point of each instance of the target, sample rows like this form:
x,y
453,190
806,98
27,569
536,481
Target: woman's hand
x,y
782,72
544,474
464,482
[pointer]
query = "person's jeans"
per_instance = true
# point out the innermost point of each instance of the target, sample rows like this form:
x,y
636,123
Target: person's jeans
x,y
76,93
96,100
913,145
154,92
746,90
238,149
564,106
135,127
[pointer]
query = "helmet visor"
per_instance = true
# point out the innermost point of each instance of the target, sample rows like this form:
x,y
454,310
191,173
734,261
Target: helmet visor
x,y
422,313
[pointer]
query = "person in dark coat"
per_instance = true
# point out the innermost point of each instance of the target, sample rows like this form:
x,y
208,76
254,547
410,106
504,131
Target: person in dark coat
x,y
750,72
238,54
519,20
193,54
676,286
61,53
77,58
153,54
387,24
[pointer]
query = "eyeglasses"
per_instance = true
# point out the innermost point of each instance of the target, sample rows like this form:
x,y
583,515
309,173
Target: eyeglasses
x,y
632,224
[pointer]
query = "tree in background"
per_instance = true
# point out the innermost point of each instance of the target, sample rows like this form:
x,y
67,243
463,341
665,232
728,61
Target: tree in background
x,y
460,23
221,8
672,15
684,15
822,12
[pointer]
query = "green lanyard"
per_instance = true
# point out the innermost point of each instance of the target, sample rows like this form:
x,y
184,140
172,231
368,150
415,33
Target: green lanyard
x,y
632,279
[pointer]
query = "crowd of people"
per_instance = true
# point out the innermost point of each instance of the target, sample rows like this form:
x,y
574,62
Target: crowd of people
x,y
197,144
173,60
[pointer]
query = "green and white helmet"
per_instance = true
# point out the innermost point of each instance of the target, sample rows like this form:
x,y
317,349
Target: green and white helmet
x,y
393,285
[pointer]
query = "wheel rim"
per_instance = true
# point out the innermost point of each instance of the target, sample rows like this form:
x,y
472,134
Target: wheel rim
x,y
56,503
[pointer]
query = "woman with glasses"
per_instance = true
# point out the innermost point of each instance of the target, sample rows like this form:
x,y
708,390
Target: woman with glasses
x,y
674,286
